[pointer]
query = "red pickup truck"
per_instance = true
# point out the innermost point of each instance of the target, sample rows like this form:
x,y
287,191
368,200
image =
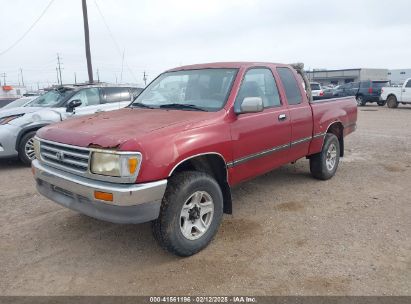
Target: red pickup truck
x,y
174,154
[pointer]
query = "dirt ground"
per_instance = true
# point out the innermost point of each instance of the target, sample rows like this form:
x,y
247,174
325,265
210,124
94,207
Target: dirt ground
x,y
289,234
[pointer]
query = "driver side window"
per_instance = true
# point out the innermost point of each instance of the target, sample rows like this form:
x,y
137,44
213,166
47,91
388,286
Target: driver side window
x,y
259,83
88,97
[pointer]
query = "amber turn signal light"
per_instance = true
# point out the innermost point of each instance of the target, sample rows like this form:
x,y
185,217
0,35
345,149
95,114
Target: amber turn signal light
x,y
132,165
103,196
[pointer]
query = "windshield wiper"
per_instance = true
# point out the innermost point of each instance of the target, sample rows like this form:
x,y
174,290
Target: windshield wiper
x,y
181,106
140,105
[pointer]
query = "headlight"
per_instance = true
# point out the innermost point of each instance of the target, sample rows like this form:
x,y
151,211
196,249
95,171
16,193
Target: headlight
x,y
7,119
115,164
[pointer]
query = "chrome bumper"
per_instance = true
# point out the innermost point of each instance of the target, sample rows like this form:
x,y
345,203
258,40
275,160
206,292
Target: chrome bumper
x,y
136,203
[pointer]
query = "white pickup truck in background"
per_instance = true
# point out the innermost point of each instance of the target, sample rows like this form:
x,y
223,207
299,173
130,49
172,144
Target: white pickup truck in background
x,y
396,95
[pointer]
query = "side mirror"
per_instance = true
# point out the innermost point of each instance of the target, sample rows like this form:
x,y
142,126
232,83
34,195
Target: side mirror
x,y
251,105
72,105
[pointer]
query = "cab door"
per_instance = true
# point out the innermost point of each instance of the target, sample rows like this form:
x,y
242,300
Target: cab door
x,y
260,140
406,92
300,112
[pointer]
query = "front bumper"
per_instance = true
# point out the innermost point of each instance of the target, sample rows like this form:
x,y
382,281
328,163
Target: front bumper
x,y
8,138
132,203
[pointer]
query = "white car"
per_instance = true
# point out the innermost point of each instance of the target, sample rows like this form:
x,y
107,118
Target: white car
x,y
316,90
19,125
396,95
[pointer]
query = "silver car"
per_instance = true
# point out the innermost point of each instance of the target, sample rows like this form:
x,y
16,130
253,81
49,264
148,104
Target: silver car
x,y
19,125
21,102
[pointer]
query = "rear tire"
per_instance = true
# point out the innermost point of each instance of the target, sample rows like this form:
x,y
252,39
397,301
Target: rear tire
x,y
190,214
360,101
392,102
323,165
381,103
26,148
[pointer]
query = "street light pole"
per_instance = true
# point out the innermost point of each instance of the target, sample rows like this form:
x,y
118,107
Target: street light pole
x,y
87,42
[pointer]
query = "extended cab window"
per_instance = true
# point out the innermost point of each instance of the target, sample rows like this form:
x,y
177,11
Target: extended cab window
x,y
116,95
88,97
259,83
408,85
292,90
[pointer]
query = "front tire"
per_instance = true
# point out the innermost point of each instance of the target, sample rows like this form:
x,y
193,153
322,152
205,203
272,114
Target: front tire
x,y
392,102
190,214
26,148
323,165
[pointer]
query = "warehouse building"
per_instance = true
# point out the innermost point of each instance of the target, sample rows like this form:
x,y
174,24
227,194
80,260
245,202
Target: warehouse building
x,y
398,76
337,77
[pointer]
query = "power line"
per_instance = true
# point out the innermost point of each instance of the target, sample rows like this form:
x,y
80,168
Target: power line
x,y
114,40
29,29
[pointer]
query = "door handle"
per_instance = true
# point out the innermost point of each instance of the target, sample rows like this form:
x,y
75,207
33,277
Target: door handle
x,y
282,117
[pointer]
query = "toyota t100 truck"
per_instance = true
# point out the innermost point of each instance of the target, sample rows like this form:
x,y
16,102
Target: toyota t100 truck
x,y
173,156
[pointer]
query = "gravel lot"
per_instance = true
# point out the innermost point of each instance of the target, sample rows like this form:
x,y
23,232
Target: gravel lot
x,y
290,234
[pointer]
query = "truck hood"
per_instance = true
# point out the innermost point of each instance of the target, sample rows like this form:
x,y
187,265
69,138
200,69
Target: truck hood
x,y
112,129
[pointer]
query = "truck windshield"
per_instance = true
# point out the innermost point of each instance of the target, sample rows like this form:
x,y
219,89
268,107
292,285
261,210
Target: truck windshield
x,y
189,90
50,99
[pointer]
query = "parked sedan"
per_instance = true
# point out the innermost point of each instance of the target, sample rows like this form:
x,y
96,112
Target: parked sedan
x,y
21,102
19,125
316,90
328,91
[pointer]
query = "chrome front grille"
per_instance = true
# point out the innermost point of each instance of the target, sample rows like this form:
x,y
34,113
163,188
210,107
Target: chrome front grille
x,y
65,157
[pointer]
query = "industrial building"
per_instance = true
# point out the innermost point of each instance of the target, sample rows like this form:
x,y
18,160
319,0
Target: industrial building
x,y
12,91
398,76
337,77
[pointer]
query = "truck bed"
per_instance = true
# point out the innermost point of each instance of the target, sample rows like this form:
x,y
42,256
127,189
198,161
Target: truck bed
x,y
328,111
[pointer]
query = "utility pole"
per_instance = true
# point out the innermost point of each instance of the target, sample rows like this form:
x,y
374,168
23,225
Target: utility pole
x,y
145,78
59,67
98,76
4,78
22,79
57,72
75,78
87,42
122,66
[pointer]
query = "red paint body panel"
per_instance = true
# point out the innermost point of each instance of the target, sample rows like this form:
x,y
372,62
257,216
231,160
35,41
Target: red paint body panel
x,y
167,137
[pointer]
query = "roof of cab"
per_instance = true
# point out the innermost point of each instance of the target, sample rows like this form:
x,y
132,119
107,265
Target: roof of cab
x,y
227,65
